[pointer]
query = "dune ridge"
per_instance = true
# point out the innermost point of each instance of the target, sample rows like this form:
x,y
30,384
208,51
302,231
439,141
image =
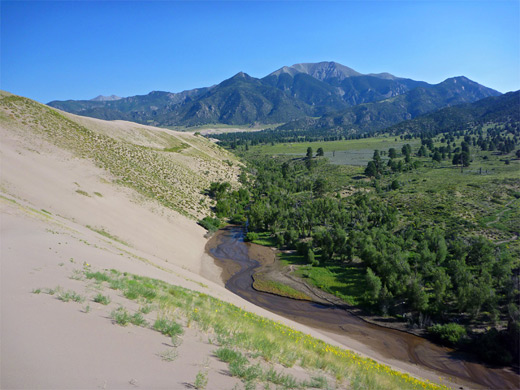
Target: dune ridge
x,y
79,193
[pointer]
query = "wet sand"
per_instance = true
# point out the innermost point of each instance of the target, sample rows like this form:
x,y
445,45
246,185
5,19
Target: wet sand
x,y
239,261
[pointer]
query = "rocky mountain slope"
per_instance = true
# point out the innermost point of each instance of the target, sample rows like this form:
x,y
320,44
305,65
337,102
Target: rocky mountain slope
x,y
288,94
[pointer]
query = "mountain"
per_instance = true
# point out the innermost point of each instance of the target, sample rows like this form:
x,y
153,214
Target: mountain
x,y
240,100
379,115
298,94
321,70
143,109
102,98
496,109
345,86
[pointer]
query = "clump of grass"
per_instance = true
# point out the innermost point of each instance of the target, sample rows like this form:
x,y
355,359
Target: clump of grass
x,y
169,355
84,193
287,381
135,289
138,320
120,316
168,327
103,299
98,194
246,372
201,380
36,291
228,355
99,276
146,309
70,295
77,275
316,382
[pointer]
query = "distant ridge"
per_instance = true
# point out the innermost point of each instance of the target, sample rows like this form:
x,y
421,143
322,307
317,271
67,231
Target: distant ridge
x,y
102,98
320,70
294,95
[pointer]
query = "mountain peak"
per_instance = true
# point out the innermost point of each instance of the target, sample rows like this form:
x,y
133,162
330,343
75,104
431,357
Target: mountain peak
x,y
321,70
241,75
102,98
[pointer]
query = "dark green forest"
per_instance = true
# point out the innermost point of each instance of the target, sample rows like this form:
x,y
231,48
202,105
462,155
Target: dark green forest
x,y
404,243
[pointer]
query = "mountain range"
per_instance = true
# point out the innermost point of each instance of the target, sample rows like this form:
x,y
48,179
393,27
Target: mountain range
x,y
323,95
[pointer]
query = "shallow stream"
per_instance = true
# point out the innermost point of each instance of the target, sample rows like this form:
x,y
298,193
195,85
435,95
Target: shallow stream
x,y
233,255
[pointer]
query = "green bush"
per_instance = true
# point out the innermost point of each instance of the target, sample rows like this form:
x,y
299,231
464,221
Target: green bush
x,y
450,334
251,236
210,224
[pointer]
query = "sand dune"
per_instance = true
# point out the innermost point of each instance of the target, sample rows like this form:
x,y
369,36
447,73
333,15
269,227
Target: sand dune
x,y
61,212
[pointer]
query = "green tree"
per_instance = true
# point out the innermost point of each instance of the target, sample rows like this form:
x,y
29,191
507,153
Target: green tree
x,y
377,160
371,169
374,285
320,187
311,259
320,152
392,153
309,153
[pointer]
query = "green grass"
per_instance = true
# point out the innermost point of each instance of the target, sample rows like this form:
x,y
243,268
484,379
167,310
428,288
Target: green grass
x,y
168,327
345,282
273,287
69,295
201,379
239,333
120,316
176,148
345,152
265,238
103,299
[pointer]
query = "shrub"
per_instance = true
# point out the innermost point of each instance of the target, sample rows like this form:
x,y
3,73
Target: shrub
x,y
450,334
251,236
210,224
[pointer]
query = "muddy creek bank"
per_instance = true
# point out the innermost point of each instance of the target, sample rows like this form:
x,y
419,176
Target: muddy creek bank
x,y
239,260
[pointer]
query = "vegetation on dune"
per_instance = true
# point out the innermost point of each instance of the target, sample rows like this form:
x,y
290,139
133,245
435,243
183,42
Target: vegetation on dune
x,y
154,172
250,344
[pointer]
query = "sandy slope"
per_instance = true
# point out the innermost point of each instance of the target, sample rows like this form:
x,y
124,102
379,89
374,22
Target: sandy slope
x,y
49,230
53,207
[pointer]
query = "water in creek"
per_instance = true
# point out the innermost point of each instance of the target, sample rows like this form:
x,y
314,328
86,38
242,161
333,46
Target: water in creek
x,y
232,254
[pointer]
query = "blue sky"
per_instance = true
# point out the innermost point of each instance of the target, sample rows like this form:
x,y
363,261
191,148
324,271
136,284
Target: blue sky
x,y
81,49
